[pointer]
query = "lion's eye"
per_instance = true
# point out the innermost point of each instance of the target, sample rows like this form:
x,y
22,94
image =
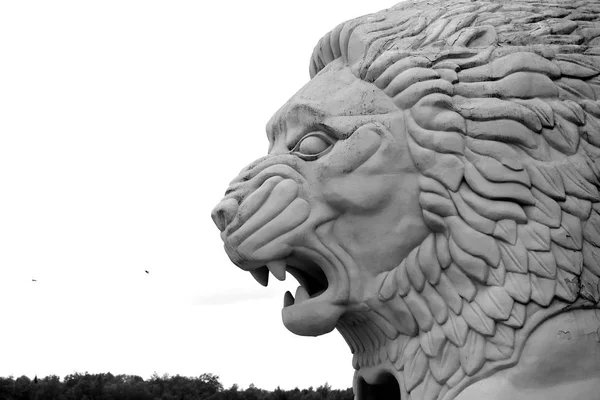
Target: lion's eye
x,y
311,146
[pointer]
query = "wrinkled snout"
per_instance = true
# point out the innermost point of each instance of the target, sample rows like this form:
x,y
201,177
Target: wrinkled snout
x,y
260,213
224,213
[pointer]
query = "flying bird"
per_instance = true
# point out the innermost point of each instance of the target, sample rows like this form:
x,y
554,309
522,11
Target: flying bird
x,y
146,271
34,280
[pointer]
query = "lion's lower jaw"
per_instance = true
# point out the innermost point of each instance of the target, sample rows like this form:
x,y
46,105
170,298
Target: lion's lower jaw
x,y
307,320
398,366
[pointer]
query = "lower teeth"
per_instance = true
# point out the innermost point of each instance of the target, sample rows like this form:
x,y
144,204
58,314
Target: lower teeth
x,y
301,296
288,299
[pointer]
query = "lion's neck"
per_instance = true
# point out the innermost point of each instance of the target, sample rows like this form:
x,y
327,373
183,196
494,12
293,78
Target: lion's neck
x,y
452,359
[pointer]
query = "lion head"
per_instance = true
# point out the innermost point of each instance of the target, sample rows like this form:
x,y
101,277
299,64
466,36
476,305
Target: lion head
x,y
433,188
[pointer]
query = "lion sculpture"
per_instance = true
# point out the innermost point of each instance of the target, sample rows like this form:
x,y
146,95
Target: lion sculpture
x,y
434,190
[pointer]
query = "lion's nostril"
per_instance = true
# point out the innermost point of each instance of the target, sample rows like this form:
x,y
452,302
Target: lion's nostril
x,y
224,213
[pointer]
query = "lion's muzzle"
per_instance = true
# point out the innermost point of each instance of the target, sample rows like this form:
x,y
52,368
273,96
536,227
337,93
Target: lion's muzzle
x,y
257,216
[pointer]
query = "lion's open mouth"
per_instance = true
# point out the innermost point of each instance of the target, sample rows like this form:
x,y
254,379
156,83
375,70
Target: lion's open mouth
x,y
313,310
313,281
310,276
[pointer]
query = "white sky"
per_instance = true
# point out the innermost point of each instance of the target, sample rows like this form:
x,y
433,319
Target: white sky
x,y
121,124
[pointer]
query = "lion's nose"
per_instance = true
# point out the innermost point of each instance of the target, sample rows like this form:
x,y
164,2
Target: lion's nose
x,y
224,213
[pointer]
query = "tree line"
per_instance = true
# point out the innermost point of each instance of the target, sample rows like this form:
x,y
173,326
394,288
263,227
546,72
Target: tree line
x,y
107,386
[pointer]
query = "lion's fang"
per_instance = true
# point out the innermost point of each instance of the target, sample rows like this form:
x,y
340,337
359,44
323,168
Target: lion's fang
x,y
288,299
277,268
261,275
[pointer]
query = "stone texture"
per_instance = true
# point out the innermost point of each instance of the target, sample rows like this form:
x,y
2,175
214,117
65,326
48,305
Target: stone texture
x,y
434,190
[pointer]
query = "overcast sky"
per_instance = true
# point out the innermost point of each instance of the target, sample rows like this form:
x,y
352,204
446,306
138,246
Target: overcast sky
x,y
121,125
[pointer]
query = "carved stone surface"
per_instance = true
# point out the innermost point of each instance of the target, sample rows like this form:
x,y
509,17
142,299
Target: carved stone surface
x,y
434,189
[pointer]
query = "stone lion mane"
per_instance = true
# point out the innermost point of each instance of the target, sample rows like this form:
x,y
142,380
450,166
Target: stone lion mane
x,y
503,123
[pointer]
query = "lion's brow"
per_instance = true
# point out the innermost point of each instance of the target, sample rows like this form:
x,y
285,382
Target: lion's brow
x,y
302,111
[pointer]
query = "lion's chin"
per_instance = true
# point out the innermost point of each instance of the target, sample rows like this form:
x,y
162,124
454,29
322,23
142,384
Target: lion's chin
x,y
312,317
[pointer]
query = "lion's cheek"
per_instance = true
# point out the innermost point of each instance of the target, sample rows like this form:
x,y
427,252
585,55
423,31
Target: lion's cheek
x,y
344,182
359,194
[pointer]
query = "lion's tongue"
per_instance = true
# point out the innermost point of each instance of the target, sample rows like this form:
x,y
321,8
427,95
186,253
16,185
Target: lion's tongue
x,y
309,317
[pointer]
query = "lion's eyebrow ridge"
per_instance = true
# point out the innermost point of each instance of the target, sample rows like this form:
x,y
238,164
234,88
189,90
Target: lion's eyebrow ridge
x,y
303,111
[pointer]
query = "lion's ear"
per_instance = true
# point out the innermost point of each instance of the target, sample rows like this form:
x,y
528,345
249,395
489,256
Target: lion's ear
x,y
476,37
